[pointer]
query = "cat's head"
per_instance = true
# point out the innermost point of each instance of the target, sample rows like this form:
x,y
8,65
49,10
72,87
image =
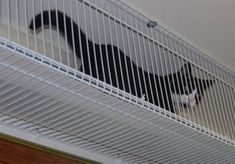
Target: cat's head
x,y
187,90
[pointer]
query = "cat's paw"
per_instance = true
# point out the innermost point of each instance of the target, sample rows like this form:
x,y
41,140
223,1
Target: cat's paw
x,y
143,97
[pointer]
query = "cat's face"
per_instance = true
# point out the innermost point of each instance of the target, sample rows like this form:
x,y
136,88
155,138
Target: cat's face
x,y
185,100
184,91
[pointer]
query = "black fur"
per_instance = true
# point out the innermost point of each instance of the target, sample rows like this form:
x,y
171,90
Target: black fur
x,y
107,63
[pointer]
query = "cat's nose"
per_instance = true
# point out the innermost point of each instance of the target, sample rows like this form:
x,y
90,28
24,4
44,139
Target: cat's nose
x,y
190,98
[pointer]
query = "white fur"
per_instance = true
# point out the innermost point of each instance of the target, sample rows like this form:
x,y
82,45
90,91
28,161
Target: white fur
x,y
143,97
190,99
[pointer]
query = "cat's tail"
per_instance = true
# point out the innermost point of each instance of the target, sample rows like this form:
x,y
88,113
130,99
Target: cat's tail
x,y
58,20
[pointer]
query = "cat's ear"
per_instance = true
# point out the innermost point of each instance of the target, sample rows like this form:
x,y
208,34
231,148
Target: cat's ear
x,y
186,70
202,84
207,83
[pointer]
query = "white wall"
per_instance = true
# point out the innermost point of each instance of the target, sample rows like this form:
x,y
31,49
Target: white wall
x,y
208,25
110,33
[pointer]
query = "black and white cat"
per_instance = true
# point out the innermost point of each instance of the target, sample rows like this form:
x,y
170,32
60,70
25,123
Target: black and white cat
x,y
107,63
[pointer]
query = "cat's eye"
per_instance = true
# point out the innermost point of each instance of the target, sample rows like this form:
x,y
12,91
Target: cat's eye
x,y
186,89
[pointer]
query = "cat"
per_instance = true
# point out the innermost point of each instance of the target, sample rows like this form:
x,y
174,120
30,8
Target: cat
x,y
107,63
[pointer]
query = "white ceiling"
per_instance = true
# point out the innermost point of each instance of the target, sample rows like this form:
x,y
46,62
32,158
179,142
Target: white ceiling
x,y
208,25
